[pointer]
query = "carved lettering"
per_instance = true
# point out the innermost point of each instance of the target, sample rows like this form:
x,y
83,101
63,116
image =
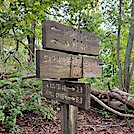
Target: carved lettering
x,y
71,33
90,39
60,37
67,92
55,59
78,100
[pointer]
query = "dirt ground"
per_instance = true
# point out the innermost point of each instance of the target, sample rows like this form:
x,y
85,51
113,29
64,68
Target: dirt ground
x,y
93,121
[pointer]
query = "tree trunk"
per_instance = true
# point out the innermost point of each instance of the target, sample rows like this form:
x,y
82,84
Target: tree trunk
x,y
31,42
118,47
127,70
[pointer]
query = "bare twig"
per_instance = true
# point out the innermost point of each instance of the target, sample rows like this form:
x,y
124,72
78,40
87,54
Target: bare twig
x,y
18,60
4,32
110,125
10,53
108,84
17,41
16,49
26,47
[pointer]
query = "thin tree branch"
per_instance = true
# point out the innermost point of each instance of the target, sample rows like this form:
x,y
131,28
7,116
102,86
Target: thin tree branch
x,y
26,46
17,41
10,53
23,78
17,60
4,32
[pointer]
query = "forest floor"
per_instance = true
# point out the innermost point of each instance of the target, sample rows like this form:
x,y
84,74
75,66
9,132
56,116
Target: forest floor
x,y
94,121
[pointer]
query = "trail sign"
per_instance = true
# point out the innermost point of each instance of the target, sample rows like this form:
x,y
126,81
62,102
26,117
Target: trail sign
x,y
52,64
57,36
73,93
61,61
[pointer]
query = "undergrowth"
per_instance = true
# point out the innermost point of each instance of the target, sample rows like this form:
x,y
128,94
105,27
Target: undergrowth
x,y
21,97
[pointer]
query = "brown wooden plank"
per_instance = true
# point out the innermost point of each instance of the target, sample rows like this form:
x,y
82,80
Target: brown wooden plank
x,y
51,64
69,119
73,93
66,38
73,119
64,118
91,68
76,66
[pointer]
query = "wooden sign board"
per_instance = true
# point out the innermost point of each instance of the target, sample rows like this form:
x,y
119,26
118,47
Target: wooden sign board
x,y
73,93
57,36
50,64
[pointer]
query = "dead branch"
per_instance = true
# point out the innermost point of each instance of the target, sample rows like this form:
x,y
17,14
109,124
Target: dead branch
x,y
122,96
23,78
110,109
114,93
99,93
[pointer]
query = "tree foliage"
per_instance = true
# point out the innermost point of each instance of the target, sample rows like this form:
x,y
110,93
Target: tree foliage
x,y
20,28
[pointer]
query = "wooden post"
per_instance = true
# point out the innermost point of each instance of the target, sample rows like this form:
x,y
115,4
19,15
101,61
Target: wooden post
x,y
69,116
73,118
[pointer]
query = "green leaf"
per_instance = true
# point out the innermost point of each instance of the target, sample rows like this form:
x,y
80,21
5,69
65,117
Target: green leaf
x,y
2,115
37,3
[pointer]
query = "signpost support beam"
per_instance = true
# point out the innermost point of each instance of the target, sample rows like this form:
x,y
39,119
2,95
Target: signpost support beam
x,y
73,118
69,117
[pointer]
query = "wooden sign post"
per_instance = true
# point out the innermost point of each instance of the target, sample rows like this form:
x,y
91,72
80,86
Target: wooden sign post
x,y
60,60
68,92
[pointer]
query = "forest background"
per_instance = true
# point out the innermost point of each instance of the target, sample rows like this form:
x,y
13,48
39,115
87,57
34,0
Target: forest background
x,y
21,36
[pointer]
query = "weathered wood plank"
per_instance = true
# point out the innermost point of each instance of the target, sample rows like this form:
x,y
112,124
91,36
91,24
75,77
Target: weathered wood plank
x,y
73,119
64,118
66,38
73,93
51,64
69,118
91,68
76,66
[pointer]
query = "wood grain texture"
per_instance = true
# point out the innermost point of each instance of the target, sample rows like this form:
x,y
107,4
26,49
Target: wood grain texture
x,y
73,93
91,68
69,119
64,118
76,66
50,64
73,119
66,38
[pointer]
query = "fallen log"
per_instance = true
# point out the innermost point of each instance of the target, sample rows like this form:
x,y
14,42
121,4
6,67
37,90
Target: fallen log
x,y
124,97
110,109
115,98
